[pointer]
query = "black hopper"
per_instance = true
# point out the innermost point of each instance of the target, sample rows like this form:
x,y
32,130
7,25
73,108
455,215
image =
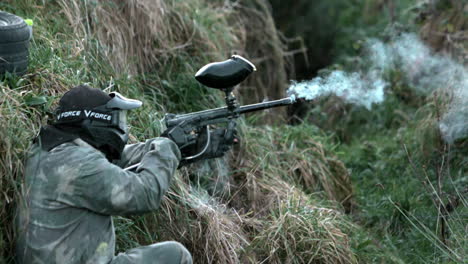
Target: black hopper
x,y
225,74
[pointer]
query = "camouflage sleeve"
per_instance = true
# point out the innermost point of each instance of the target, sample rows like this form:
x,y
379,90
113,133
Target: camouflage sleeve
x,y
133,153
105,188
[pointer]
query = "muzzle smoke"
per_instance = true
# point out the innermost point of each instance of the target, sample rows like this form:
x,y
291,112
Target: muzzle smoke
x,y
423,71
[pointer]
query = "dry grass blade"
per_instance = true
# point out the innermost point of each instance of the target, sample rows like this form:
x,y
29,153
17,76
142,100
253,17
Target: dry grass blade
x,y
141,36
211,231
297,230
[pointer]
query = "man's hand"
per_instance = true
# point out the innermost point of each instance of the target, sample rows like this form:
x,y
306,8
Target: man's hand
x,y
220,141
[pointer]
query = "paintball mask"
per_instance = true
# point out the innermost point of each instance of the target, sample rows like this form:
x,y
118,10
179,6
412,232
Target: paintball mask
x,y
98,118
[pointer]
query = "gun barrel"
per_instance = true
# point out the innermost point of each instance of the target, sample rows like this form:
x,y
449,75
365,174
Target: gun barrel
x,y
224,112
264,105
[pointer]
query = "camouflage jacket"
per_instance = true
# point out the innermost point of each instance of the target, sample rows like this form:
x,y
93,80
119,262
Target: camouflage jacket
x,y
71,192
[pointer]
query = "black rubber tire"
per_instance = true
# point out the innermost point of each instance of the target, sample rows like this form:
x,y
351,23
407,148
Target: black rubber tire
x,y
13,28
17,67
14,44
13,47
14,57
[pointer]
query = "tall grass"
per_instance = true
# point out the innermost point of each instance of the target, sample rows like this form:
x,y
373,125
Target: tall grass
x,y
100,43
411,187
283,194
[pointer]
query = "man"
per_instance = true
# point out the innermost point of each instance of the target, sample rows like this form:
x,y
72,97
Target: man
x,y
75,181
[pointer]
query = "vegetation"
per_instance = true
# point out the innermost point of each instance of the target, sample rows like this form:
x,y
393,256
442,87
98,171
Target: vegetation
x,y
344,185
405,177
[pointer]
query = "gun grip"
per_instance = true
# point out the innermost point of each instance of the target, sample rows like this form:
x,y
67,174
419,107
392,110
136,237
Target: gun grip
x,y
230,135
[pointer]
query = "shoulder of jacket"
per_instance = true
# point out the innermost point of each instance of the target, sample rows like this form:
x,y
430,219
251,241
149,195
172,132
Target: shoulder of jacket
x,y
75,145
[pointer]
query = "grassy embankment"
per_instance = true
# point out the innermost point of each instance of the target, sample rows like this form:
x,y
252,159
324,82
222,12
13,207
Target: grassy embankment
x,y
274,199
410,185
278,197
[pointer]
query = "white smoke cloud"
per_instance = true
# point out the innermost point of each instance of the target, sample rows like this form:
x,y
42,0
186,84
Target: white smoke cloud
x,y
353,87
423,70
454,123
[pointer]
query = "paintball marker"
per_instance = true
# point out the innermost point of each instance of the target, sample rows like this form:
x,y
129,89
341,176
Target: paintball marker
x,y
184,129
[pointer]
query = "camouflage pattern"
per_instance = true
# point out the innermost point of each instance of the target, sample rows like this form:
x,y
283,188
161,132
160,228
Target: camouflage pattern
x,y
71,192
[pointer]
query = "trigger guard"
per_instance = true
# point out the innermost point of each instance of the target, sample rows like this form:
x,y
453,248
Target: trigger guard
x,y
208,142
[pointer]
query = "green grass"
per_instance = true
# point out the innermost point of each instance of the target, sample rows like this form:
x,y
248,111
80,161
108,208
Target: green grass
x,y
63,56
395,182
283,194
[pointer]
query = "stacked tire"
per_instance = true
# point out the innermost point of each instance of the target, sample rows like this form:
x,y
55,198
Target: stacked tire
x,y
14,44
